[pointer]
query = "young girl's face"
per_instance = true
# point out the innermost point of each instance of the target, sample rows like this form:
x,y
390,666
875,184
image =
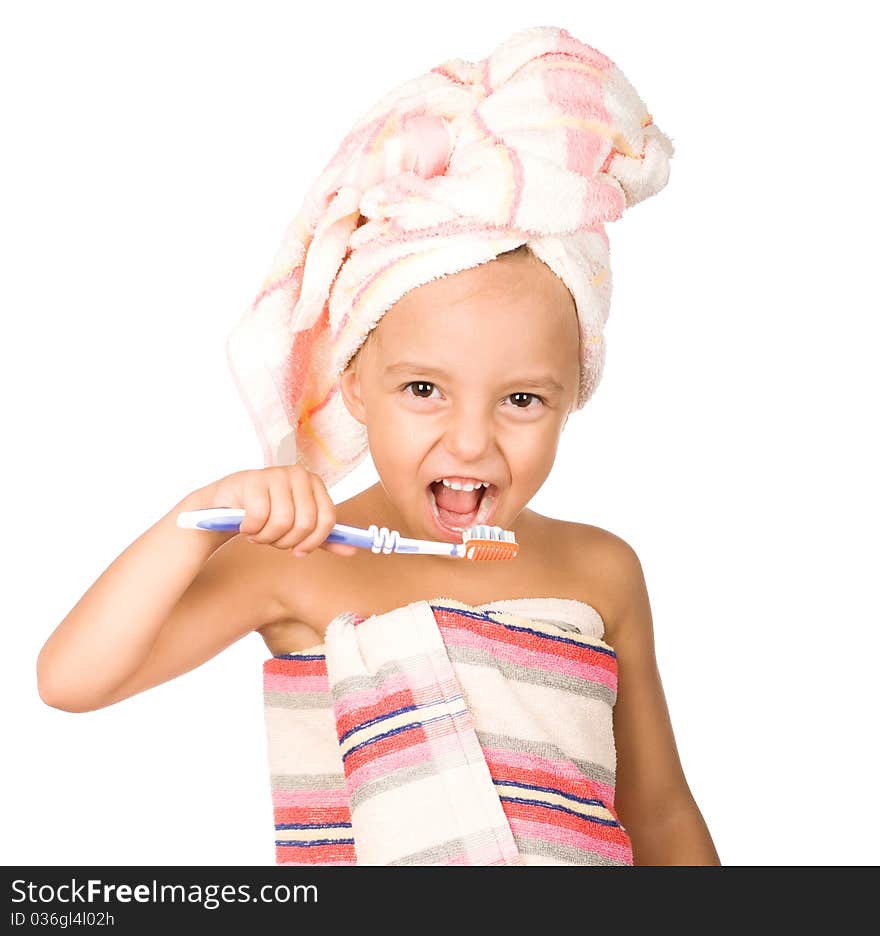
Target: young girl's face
x,y
470,376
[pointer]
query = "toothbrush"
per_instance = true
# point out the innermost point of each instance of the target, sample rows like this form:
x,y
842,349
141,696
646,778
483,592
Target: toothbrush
x,y
479,542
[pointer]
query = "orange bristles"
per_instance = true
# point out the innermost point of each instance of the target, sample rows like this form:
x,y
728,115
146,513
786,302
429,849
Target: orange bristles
x,y
488,542
490,549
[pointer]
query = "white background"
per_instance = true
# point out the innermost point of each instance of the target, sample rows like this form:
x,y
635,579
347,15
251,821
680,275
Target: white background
x,y
154,154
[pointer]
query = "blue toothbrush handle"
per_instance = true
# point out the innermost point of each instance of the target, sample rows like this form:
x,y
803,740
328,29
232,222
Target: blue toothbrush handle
x,y
229,519
351,536
378,539
226,519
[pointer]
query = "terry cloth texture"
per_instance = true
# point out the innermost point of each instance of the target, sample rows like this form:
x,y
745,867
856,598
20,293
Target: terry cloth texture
x,y
540,143
445,734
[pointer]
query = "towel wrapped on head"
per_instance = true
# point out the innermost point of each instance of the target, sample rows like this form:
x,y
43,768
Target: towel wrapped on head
x,y
540,143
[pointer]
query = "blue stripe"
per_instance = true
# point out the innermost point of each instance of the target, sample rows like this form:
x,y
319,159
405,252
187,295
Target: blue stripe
x,y
526,630
406,708
316,842
394,731
311,825
379,718
387,734
592,801
530,802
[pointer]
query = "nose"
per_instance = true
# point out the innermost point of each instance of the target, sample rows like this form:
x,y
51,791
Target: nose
x,y
469,433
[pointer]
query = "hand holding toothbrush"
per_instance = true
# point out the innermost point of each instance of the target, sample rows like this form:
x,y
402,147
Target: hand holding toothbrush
x,y
284,506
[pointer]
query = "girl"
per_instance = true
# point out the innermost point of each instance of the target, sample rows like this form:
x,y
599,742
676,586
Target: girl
x,y
439,301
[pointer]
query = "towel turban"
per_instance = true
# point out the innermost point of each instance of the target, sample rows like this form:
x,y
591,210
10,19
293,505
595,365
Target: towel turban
x,y
540,143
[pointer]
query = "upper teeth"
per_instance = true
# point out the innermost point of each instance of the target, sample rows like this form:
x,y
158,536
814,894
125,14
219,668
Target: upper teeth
x,y
458,486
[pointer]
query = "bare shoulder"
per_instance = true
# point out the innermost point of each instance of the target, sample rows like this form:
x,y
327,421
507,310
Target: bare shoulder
x,y
612,572
617,558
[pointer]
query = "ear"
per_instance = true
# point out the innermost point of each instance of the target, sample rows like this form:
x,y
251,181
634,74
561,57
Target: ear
x,y
350,388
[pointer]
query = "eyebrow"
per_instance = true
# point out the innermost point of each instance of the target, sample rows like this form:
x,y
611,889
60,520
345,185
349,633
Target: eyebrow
x,y
545,381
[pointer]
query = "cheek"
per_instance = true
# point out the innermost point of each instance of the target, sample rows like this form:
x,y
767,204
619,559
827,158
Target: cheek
x,y
404,424
532,464
397,445
536,456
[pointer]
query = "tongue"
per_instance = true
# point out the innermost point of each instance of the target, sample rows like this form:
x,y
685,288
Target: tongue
x,y
456,502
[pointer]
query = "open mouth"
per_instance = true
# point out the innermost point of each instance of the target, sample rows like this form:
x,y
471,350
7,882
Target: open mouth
x,y
459,510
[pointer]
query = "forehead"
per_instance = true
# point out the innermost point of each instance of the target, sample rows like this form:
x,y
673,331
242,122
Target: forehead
x,y
519,297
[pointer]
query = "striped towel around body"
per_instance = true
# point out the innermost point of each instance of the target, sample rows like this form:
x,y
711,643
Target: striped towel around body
x,y
441,733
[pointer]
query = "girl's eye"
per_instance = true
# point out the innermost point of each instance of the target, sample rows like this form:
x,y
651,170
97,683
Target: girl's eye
x,y
423,384
420,384
523,394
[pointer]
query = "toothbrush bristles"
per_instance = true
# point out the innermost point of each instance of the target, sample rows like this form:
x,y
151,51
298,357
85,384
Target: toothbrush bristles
x,y
489,542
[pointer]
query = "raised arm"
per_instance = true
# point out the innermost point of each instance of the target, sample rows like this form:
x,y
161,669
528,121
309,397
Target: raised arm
x,y
175,597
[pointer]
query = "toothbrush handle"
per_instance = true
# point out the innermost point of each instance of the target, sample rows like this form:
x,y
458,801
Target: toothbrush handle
x,y
230,518
377,539
351,536
211,518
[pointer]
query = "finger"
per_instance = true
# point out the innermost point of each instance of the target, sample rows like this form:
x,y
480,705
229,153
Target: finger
x,y
305,512
293,513
342,549
325,517
257,507
279,518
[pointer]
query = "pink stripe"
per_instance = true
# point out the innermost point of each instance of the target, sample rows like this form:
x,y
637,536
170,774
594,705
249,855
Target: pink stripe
x,y
331,797
305,864
515,195
443,740
437,727
563,768
364,698
488,855
278,682
580,96
424,694
568,44
461,637
426,689
563,836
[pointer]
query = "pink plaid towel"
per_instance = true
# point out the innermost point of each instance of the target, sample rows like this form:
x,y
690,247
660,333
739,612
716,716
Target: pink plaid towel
x,y
445,734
